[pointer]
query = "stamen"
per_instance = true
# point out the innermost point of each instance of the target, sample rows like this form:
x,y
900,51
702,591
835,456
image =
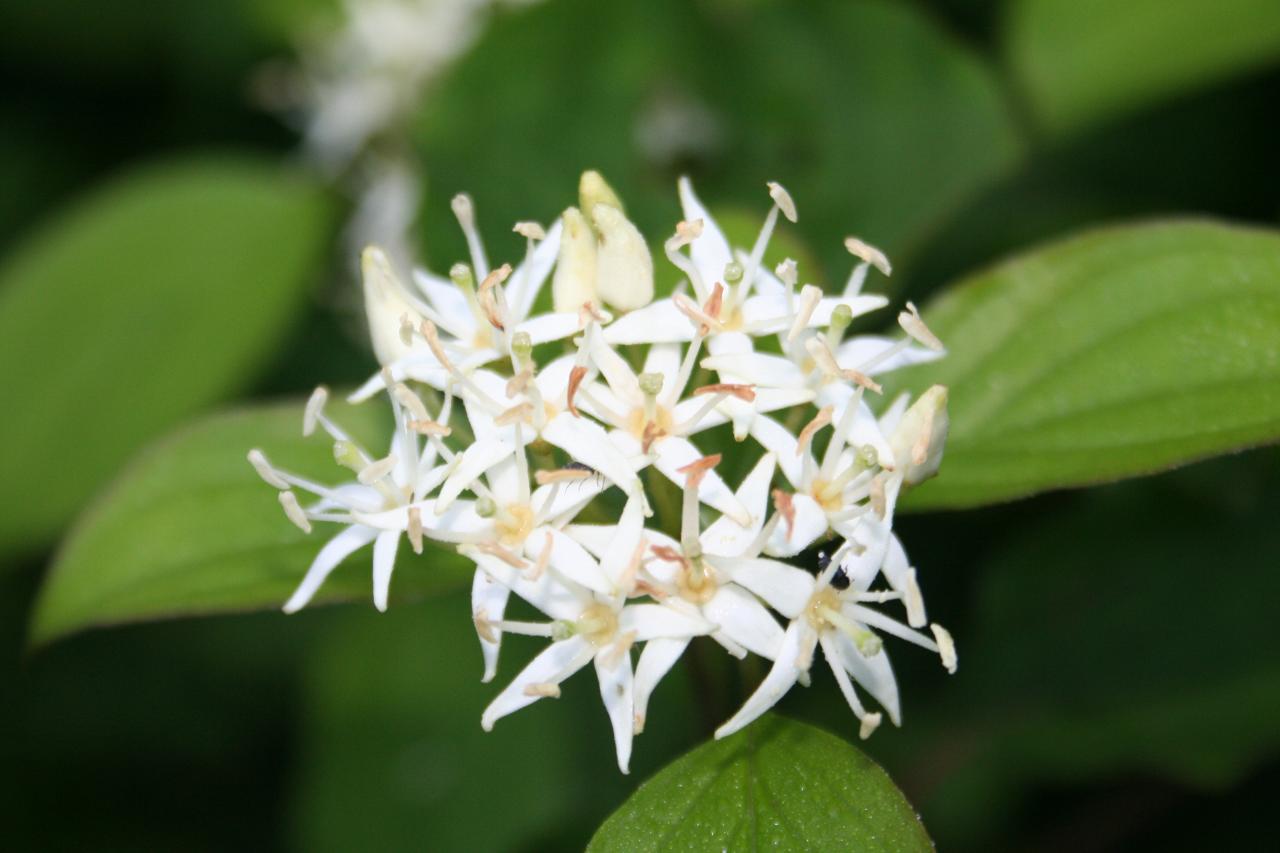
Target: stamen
x,y
810,296
543,690
544,559
315,406
746,393
686,233
432,336
623,645
530,230
430,428
464,210
914,601
786,508
869,254
484,627
946,647
827,363
782,199
562,475
879,502
260,464
697,469
914,326
414,529
820,420
376,470
686,370
527,629
518,412
714,302
669,555
495,550
488,296
704,321
652,432
870,722
575,379
294,512
841,434
589,312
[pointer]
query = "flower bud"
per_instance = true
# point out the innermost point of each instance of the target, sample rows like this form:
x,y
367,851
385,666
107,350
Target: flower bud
x,y
624,268
575,278
921,436
386,303
593,190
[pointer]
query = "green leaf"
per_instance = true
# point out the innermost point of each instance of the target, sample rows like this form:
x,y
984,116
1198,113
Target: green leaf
x,y
157,295
188,528
1084,61
778,784
1117,353
873,117
1130,633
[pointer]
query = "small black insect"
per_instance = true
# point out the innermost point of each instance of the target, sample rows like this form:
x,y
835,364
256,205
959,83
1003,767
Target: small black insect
x,y
839,580
592,474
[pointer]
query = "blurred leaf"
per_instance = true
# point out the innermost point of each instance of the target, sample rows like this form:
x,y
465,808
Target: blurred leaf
x,y
156,296
1130,634
778,784
189,528
1113,354
394,757
1084,61
874,118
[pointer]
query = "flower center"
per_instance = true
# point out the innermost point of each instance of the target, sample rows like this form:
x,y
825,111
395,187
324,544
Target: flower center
x,y
599,624
514,524
828,494
695,583
661,420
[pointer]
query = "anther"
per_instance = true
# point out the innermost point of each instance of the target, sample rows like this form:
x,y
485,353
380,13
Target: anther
x,y
414,529
530,230
868,254
543,690
377,469
913,325
260,464
782,199
315,407
946,646
293,511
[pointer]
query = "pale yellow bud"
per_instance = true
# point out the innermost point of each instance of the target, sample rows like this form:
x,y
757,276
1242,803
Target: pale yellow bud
x,y
593,190
921,436
574,282
386,304
624,267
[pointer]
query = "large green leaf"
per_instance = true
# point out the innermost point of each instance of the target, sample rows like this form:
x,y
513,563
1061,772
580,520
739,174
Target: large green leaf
x,y
189,528
1117,353
1128,634
874,118
156,296
1083,61
778,784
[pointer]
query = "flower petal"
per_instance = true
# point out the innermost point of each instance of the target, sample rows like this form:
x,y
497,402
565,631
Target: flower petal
x,y
449,303
558,598
873,673
551,666
489,601
476,459
569,559
656,660
528,278
384,562
784,587
550,327
725,536
775,438
810,523
756,368
797,647
861,349
657,322
587,442
745,621
650,621
622,546
334,552
710,252
616,689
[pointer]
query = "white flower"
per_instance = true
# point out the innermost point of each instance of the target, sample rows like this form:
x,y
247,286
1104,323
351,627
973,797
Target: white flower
x,y
541,435
391,483
587,626
830,611
695,575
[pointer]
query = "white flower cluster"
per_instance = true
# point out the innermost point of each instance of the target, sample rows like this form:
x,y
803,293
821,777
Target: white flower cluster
x,y
545,471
